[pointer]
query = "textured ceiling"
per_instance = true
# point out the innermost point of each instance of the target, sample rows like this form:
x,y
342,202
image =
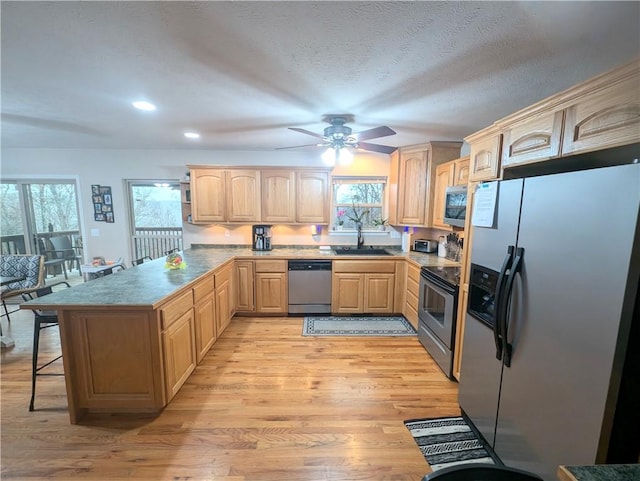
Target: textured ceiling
x,y
240,73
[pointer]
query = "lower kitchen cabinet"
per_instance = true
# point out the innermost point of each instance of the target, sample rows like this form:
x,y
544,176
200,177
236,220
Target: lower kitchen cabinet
x,y
363,287
271,287
224,300
412,291
179,352
244,286
204,313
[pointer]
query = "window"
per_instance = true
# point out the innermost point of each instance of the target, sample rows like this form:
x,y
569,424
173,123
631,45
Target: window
x,y
358,198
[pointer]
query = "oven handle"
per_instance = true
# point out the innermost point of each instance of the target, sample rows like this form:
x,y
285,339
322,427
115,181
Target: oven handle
x,y
439,284
517,267
497,324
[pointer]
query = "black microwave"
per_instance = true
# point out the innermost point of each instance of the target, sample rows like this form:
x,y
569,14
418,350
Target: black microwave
x,y
455,205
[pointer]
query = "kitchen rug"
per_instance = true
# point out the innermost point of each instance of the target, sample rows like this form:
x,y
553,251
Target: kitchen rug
x,y
447,441
357,326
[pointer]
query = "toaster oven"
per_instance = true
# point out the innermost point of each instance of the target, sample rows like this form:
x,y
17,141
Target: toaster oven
x,y
425,245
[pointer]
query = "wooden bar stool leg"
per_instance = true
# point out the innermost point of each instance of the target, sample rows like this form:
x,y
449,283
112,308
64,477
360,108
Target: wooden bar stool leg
x,y
34,362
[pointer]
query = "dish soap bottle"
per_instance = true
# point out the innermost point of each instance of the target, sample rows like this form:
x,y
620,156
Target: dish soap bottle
x,y
406,240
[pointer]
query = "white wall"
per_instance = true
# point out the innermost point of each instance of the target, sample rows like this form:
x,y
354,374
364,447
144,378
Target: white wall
x,y
112,167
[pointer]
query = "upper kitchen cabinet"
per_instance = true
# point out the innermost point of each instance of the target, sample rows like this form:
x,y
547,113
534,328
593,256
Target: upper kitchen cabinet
x,y
443,179
278,198
243,195
461,171
412,177
208,195
607,114
532,138
484,157
312,197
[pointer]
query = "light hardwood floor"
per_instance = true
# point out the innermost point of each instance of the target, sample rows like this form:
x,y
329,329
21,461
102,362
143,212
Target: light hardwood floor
x,y
264,404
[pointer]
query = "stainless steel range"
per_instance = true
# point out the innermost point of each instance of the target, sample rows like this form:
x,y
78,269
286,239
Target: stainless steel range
x,y
438,303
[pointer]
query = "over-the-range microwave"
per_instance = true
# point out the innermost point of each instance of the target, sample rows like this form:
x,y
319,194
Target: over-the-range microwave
x,y
455,205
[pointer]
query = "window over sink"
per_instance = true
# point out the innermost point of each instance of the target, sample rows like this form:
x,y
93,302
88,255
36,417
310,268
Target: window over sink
x,y
358,199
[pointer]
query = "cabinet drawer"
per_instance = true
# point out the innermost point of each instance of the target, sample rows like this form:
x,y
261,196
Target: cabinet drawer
x,y
176,308
413,286
413,272
361,267
271,266
202,289
222,276
412,301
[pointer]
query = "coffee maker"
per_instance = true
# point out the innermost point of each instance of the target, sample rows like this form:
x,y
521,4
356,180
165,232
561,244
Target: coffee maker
x,y
261,237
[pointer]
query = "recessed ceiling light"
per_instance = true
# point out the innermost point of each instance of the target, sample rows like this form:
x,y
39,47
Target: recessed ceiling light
x,y
192,135
144,105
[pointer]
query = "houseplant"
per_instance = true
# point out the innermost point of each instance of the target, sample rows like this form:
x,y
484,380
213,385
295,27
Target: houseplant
x,y
380,223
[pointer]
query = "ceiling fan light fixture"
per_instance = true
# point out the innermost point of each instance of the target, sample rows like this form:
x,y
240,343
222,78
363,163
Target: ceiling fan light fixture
x,y
329,156
344,156
144,105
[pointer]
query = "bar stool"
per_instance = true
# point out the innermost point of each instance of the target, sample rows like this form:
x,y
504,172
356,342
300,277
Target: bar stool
x,y
42,320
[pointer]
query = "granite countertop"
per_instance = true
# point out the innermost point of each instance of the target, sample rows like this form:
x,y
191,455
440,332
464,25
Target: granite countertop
x,y
149,284
600,472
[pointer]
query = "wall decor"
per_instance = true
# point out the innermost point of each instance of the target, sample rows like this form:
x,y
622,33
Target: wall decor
x,y
102,203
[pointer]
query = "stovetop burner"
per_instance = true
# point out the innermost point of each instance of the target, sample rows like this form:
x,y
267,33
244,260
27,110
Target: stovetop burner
x,y
450,275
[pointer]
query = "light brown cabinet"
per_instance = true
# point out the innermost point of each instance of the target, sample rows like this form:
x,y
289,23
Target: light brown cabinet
x,y
484,157
224,302
363,287
411,181
532,139
271,287
312,197
244,286
243,195
444,178
607,117
208,195
412,291
179,352
278,196
461,171
204,312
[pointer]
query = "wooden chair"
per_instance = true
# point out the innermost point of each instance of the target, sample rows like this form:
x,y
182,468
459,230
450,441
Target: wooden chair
x,y
42,320
481,472
26,266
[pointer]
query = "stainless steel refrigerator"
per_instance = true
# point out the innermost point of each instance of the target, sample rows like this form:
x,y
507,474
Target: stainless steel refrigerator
x,y
550,381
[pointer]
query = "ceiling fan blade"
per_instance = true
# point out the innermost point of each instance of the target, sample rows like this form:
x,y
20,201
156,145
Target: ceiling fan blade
x,y
383,149
378,132
301,146
308,132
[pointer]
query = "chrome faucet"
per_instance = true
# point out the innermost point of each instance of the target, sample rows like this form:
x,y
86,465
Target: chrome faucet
x,y
360,237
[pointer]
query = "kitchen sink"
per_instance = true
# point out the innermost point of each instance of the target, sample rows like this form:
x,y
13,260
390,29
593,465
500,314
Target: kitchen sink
x,y
365,251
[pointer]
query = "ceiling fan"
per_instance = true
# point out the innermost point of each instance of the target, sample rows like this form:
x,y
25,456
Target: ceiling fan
x,y
338,136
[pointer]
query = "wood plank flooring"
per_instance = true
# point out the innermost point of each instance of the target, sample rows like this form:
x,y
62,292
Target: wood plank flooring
x,y
265,404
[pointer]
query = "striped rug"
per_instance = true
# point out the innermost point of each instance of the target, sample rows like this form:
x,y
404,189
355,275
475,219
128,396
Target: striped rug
x,y
447,441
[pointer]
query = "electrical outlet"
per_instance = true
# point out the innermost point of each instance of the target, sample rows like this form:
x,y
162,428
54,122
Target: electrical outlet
x,y
227,233
395,234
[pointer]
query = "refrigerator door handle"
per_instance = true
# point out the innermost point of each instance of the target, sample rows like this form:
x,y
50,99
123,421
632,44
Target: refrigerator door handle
x,y
517,267
502,277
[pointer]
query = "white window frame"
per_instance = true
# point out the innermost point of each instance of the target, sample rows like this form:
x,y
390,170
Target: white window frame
x,y
337,180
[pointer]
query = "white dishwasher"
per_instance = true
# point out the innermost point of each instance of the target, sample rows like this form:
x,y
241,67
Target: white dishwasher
x,y
309,287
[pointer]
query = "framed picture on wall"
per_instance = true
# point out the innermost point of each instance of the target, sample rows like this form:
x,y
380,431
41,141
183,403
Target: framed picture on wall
x,y
102,203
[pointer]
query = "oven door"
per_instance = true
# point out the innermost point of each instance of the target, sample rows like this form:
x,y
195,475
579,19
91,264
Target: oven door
x,y
437,309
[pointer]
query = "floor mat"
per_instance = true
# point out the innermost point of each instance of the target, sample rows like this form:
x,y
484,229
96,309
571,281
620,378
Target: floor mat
x,y
357,326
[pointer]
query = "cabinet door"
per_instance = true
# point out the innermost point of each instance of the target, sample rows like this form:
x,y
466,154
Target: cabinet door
x,y
271,292
412,188
461,171
243,196
378,293
278,198
179,352
223,307
312,197
606,118
532,139
208,195
205,325
443,179
244,286
347,293
484,160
